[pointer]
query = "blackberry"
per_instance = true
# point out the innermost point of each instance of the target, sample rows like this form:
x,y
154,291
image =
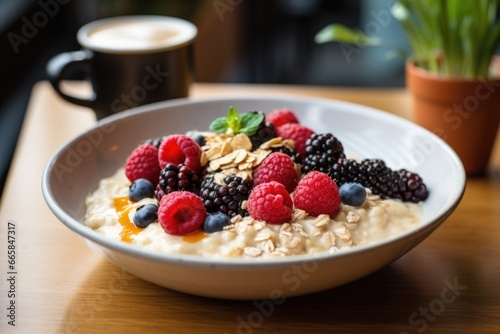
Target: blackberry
x,y
176,177
226,195
415,188
296,157
265,132
322,151
347,170
382,180
404,185
156,142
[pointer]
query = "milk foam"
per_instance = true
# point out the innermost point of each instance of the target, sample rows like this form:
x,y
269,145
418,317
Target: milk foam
x,y
137,34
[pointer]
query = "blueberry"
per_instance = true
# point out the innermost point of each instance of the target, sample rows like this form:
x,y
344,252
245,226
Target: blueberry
x,y
215,222
353,194
145,215
139,189
197,137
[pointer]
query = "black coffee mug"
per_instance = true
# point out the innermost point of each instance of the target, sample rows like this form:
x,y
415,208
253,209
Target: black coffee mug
x,y
131,61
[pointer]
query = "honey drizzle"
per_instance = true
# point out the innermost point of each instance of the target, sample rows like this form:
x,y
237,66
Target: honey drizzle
x,y
123,207
129,229
194,236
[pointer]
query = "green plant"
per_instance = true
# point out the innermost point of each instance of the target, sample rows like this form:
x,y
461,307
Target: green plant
x,y
448,37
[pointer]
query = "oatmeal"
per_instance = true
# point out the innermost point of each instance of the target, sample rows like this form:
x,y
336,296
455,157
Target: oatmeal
x,y
256,186
377,219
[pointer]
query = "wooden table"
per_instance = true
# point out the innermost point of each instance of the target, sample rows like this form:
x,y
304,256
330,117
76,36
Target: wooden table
x,y
449,283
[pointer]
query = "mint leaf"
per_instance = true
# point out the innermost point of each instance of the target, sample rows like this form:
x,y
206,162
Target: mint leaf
x,y
219,125
250,122
232,114
246,123
233,121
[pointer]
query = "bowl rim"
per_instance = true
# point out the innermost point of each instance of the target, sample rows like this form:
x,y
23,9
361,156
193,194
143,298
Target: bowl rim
x,y
195,260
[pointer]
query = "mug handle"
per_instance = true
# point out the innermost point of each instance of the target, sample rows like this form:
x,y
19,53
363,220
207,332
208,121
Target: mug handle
x,y
58,67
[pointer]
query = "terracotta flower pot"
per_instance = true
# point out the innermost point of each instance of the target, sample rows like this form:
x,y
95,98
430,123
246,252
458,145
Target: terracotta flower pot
x,y
464,113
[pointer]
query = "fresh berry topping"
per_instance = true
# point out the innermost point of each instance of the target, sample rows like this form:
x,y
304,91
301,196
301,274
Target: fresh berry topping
x,y
352,194
215,222
277,167
383,181
180,149
347,170
198,138
181,212
317,194
296,157
174,178
265,132
143,163
322,151
145,215
225,193
139,189
281,116
414,188
380,178
270,202
298,133
156,142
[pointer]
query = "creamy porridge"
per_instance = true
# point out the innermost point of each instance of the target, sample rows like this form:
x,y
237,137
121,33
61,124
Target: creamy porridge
x,y
377,219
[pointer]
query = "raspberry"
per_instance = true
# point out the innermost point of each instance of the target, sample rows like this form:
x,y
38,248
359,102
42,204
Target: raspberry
x,y
298,133
181,212
143,163
180,149
270,202
317,194
277,167
281,116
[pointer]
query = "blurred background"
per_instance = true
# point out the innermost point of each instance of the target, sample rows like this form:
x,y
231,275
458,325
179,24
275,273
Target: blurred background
x,y
239,41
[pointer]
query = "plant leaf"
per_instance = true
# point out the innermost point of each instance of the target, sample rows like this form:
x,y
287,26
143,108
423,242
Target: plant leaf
x,y
233,120
420,44
250,122
447,37
232,114
488,49
341,33
219,125
396,54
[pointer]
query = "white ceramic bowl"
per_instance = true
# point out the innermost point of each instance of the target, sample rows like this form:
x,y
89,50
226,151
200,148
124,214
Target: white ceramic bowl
x,y
76,168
